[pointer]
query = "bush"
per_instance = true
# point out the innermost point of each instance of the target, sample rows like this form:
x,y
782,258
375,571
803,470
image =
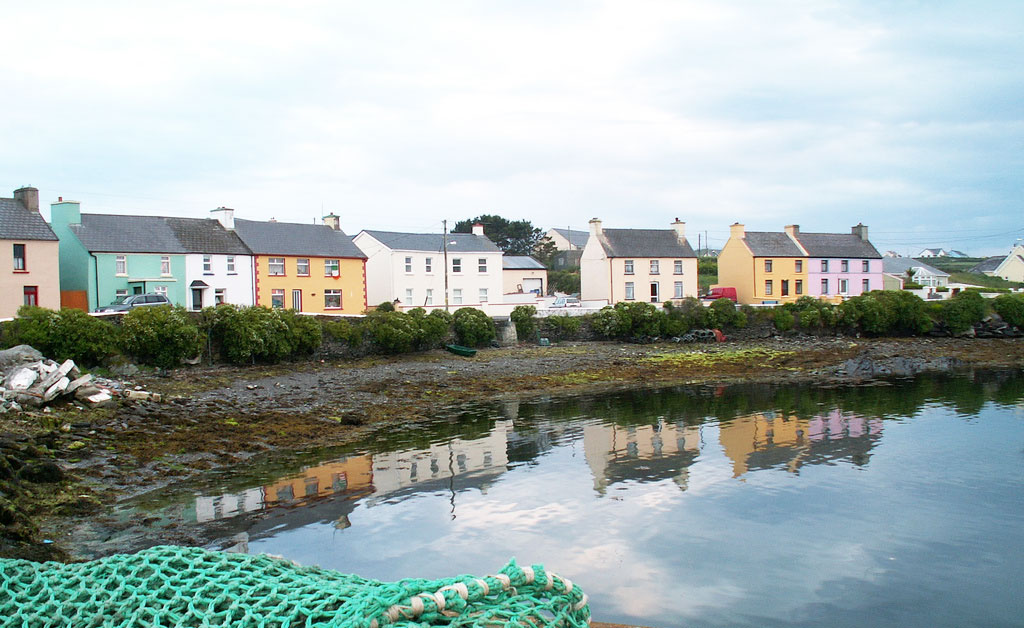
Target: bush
x,y
343,331
783,319
523,317
689,314
67,334
160,336
563,326
629,320
962,311
812,313
386,306
473,327
391,332
726,314
250,334
1010,307
431,329
886,312
305,335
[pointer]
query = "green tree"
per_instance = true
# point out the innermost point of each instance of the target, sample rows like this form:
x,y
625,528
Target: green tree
x,y
544,252
513,237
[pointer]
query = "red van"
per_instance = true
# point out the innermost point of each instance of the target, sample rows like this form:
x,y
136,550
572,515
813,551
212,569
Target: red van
x,y
720,292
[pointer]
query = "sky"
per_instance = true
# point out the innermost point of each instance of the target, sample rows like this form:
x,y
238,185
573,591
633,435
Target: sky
x,y
905,116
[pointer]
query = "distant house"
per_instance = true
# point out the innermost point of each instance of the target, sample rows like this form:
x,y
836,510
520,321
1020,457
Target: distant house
x,y
409,268
522,273
1010,267
569,243
30,273
921,273
940,253
306,267
653,265
988,265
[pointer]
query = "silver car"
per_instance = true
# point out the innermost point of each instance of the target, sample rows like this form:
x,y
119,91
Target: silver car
x,y
129,301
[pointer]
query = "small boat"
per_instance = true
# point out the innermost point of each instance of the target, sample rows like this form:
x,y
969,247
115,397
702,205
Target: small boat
x,y
466,352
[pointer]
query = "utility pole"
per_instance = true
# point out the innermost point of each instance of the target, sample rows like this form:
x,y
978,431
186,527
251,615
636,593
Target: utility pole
x,y
444,240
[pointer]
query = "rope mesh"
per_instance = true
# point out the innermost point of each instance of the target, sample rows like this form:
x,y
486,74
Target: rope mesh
x,y
187,586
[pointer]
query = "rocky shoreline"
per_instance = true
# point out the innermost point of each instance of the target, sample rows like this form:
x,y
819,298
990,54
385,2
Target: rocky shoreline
x,y
67,467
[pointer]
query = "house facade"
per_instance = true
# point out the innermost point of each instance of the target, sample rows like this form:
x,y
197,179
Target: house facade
x,y
1010,268
29,259
569,244
218,266
763,266
523,274
919,272
652,265
309,268
410,269
840,265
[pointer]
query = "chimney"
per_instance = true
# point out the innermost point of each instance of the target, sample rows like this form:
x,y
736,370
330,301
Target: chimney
x,y
595,226
333,221
793,231
736,231
29,197
860,231
478,229
225,216
680,228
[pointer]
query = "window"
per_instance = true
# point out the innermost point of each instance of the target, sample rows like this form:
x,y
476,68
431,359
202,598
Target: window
x,y
218,296
844,286
276,267
430,297
678,293
277,299
768,287
798,266
408,264
482,263
332,268
865,266
677,267
629,267
428,265
799,286
824,265
457,296
654,267
767,266
629,291
655,292
121,265
31,294
302,267
824,286
865,284
231,264
456,264
483,295
161,290
332,299
207,264
19,257
844,266
123,292
408,296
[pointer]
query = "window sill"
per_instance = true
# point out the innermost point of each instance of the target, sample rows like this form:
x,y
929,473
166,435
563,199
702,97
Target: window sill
x,y
232,274
332,308
273,275
21,272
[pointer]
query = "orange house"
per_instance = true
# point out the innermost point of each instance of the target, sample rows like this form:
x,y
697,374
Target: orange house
x,y
308,268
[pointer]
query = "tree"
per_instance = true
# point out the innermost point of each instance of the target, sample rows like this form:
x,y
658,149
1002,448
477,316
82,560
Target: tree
x,y
513,237
544,252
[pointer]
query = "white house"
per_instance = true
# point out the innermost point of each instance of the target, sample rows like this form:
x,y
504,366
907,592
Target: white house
x,y
218,266
413,269
922,273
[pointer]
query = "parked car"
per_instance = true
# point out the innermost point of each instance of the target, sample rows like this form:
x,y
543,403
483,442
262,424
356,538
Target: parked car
x,y
129,301
566,302
720,292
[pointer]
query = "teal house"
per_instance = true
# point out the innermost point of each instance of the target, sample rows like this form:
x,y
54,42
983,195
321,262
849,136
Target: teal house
x,y
104,256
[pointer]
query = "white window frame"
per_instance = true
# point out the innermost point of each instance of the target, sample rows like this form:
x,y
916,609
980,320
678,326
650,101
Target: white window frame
x,y
655,267
627,267
678,288
844,286
428,265
456,264
332,293
161,290
231,264
275,261
408,264
219,296
165,265
630,291
677,267
483,295
121,265
300,263
121,292
429,300
332,267
207,264
408,296
456,296
274,292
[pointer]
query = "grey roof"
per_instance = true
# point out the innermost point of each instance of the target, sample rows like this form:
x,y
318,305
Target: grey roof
x,y
644,243
206,235
520,262
575,238
771,244
434,242
837,245
988,265
899,266
18,223
289,238
109,233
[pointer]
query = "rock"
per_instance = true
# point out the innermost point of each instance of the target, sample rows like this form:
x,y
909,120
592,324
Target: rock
x,y
21,378
85,391
40,472
20,354
78,383
125,370
56,389
101,399
56,375
137,395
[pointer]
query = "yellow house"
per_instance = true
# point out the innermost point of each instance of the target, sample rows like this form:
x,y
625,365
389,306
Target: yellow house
x,y
29,260
309,268
763,266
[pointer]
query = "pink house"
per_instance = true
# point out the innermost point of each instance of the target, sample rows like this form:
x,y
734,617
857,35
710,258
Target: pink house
x,y
839,265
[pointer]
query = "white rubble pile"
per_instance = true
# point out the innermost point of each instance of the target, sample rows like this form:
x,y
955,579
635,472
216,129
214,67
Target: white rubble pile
x,y
32,381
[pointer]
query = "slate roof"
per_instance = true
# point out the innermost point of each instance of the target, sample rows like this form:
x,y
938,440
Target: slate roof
x,y
18,223
644,243
434,242
520,262
837,245
289,238
110,233
900,265
206,235
988,265
575,238
771,244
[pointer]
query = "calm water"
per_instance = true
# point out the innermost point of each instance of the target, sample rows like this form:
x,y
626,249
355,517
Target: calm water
x,y
897,505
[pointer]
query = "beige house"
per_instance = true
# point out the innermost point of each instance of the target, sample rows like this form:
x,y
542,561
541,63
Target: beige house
x,y
29,260
652,265
523,274
1012,266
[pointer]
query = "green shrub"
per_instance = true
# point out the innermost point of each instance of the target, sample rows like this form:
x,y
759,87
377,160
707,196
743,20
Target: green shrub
x,y
563,326
688,314
250,334
523,317
473,327
67,334
630,320
726,314
886,313
160,336
1010,307
343,331
386,306
305,335
392,332
962,311
783,319
431,329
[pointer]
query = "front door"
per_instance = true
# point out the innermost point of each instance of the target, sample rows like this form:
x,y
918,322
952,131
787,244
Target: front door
x,y
297,300
655,293
785,287
197,298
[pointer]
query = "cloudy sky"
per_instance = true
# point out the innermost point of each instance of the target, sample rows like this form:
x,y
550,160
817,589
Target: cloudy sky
x,y
906,116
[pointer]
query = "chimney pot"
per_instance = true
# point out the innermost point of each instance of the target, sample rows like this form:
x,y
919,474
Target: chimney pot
x,y
225,216
793,230
736,230
478,229
595,226
680,228
860,231
333,221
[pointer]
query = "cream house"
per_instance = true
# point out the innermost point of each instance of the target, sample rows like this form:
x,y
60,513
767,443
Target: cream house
x,y
1011,268
30,271
652,265
523,274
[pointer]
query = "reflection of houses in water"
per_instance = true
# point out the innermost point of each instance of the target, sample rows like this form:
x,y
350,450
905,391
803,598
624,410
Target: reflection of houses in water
x,y
769,440
640,452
